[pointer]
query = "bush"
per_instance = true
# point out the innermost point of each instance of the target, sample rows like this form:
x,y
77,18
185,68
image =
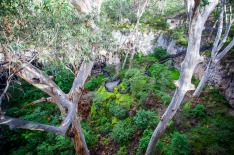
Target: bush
x,y
132,72
187,108
199,111
144,141
164,97
122,151
160,53
162,75
119,111
179,144
122,131
90,137
92,84
145,119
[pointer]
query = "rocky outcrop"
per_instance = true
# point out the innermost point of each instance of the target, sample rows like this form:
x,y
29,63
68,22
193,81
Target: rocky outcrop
x,y
146,40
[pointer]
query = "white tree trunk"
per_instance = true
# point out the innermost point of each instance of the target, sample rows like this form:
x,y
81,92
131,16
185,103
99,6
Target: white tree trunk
x,y
191,60
218,44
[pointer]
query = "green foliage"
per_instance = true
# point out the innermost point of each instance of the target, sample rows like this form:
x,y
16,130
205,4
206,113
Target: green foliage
x,y
180,36
144,141
187,108
123,131
122,151
119,111
145,119
64,79
199,111
90,137
92,84
160,53
164,97
179,144
113,11
142,96
9,6
162,75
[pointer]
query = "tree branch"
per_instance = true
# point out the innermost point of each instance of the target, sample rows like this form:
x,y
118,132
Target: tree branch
x,y
19,123
36,77
79,81
224,52
220,29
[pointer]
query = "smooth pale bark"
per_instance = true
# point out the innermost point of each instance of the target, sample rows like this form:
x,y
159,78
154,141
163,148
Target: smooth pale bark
x,y
125,60
36,77
216,56
212,30
192,58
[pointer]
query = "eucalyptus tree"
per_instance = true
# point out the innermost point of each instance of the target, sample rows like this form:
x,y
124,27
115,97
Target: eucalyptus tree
x,y
61,46
140,11
198,12
218,51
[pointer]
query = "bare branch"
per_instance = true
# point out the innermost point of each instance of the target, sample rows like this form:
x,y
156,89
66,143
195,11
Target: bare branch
x,y
78,83
220,29
228,27
224,52
49,99
19,123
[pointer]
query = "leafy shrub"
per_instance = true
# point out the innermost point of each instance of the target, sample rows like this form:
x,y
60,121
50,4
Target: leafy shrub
x,y
119,111
64,80
160,53
162,75
187,108
122,151
122,131
180,36
145,119
179,144
90,137
132,72
104,124
143,96
164,97
144,141
199,111
92,84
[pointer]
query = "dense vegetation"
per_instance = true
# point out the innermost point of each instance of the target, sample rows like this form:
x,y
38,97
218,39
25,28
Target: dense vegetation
x,y
114,123
123,123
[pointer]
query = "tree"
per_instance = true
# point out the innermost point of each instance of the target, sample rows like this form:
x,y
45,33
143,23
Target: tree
x,y
67,103
217,54
197,16
140,11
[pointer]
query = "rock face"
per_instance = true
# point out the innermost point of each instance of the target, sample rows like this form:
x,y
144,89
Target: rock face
x,y
146,40
169,45
222,75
